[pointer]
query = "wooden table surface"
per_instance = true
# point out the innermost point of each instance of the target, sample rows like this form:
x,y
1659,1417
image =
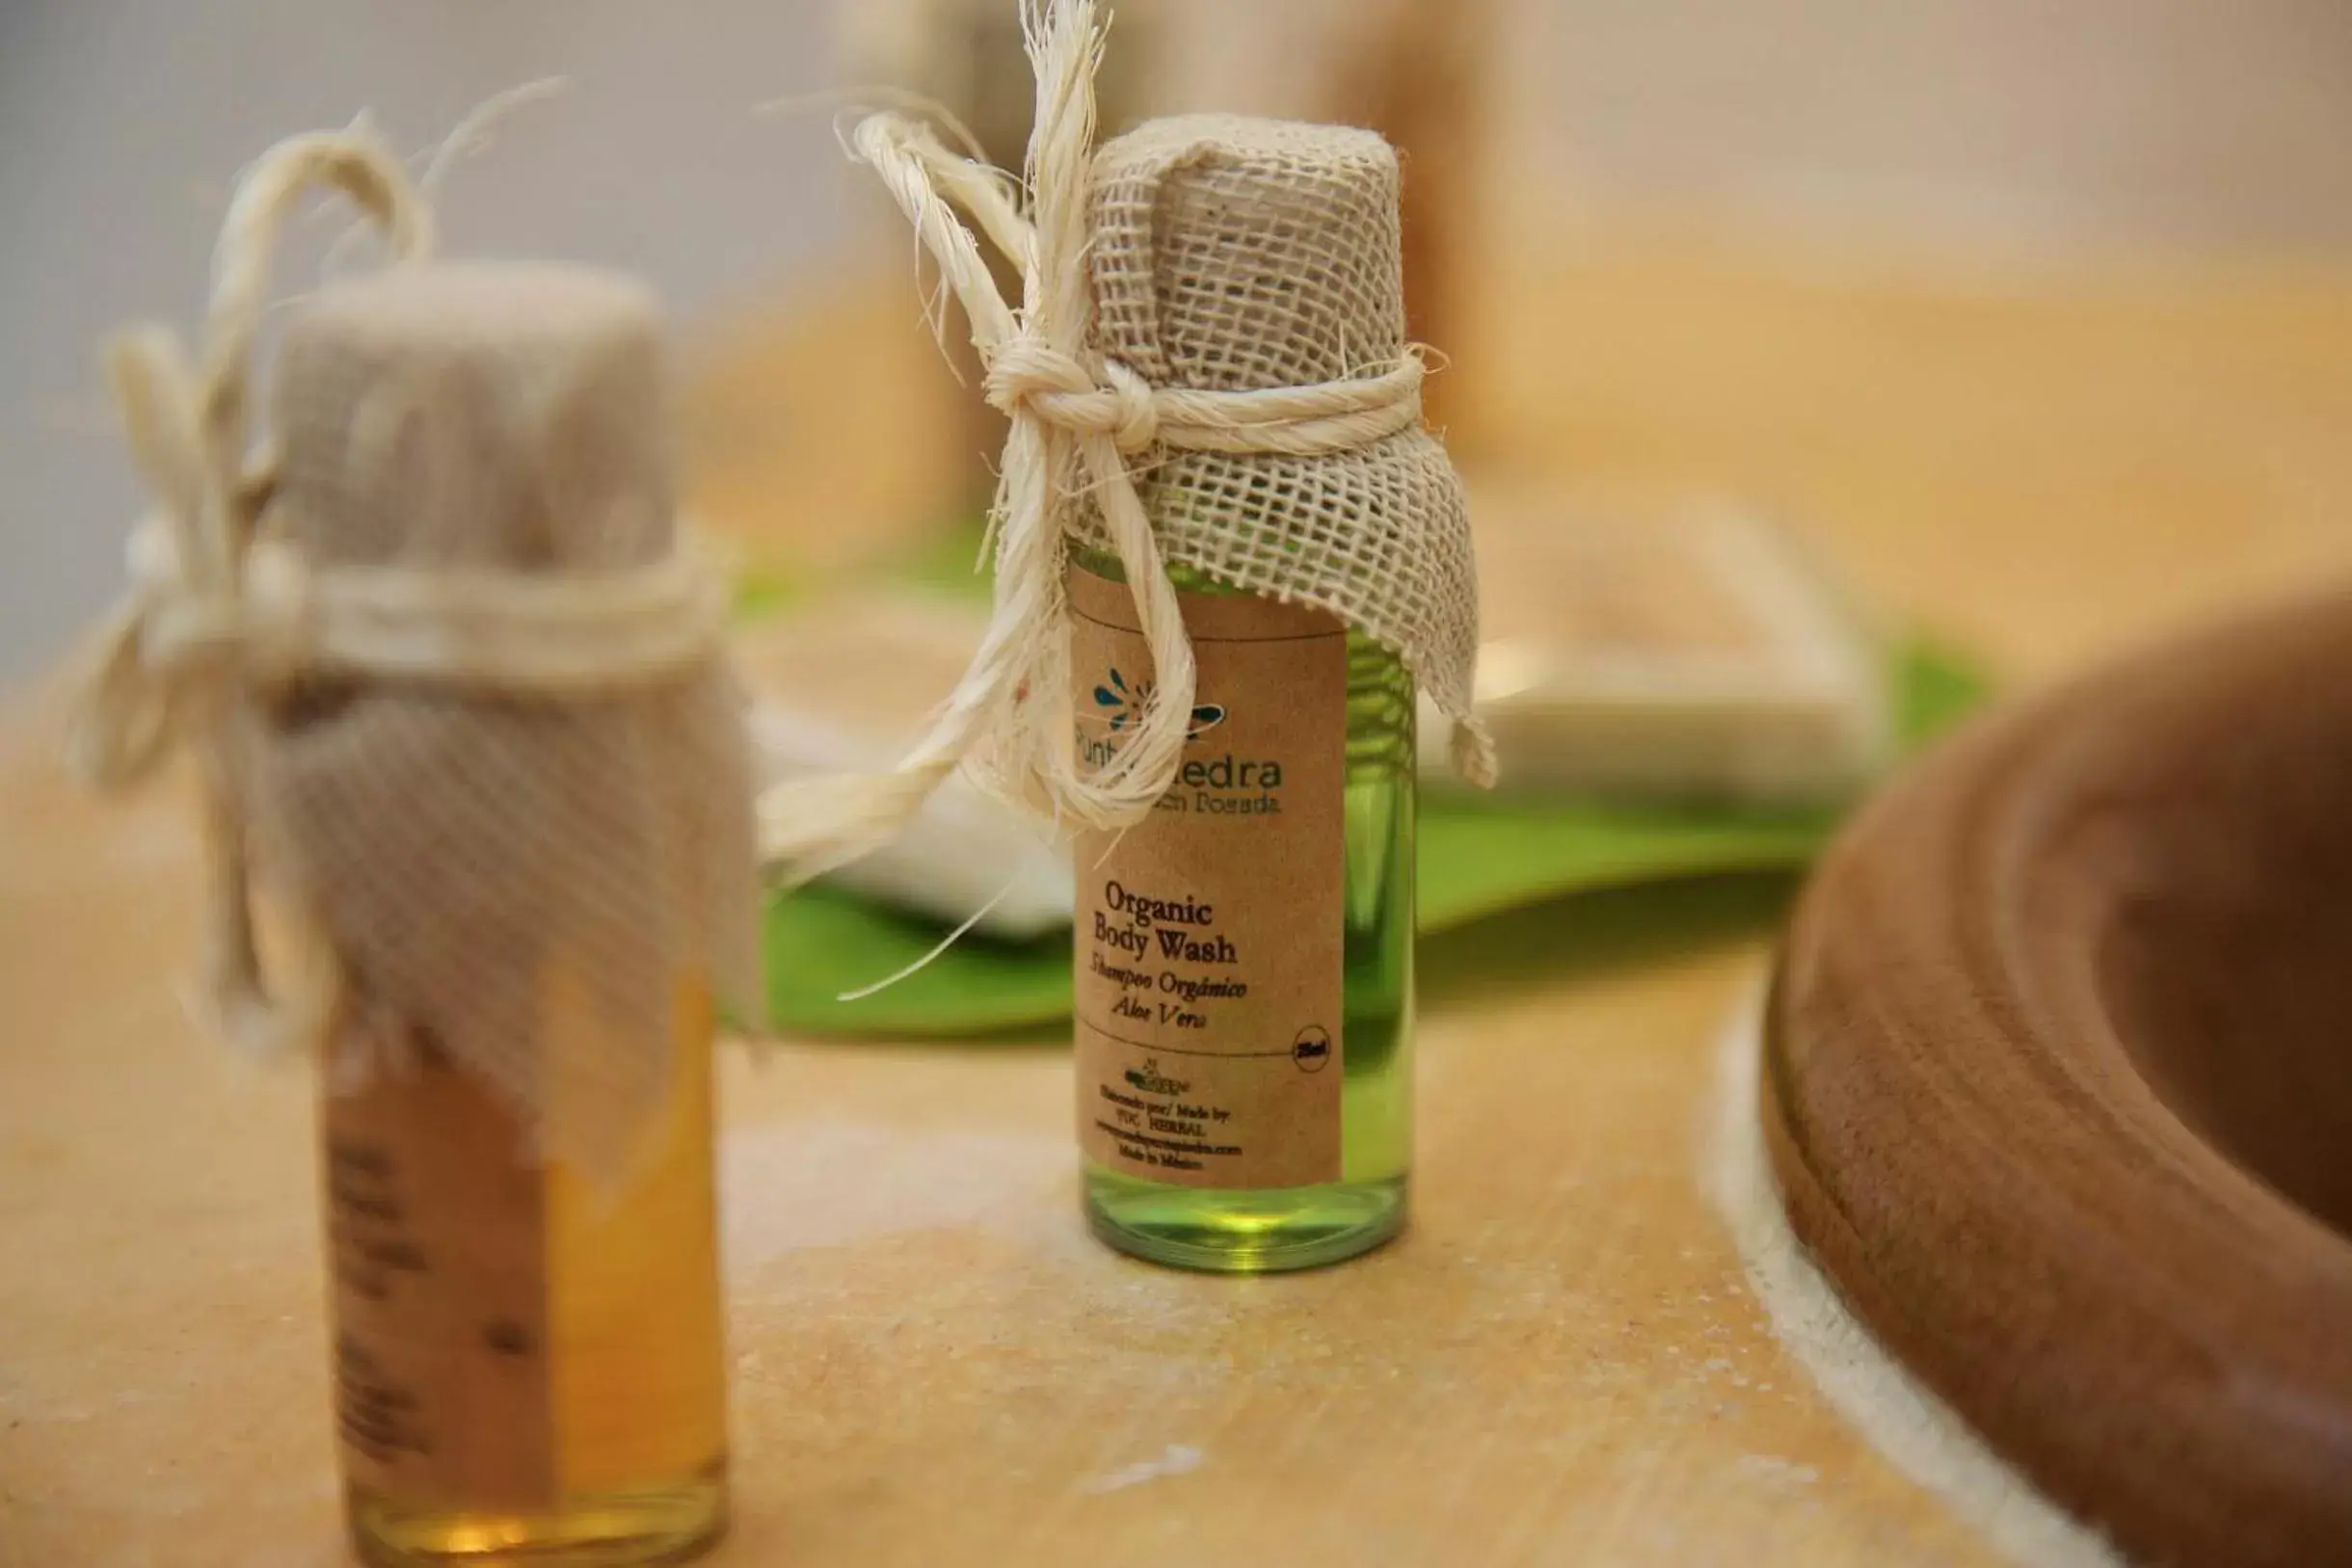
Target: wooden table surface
x,y
1560,1363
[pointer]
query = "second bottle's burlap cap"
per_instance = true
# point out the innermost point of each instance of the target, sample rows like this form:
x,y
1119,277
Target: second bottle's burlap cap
x,y
1232,255
1208,367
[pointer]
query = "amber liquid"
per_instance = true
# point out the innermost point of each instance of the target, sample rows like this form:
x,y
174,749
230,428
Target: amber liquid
x,y
1270,1229
529,1365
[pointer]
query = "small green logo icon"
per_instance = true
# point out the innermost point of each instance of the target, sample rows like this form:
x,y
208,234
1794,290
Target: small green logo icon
x,y
1148,1080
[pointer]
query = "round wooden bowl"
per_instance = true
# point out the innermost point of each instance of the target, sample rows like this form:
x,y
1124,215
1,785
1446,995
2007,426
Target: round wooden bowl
x,y
2058,1089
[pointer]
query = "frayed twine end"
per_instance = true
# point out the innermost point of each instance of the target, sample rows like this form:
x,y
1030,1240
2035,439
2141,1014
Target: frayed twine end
x,y
1473,754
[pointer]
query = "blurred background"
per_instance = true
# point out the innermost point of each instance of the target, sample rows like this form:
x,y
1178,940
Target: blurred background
x,y
1942,282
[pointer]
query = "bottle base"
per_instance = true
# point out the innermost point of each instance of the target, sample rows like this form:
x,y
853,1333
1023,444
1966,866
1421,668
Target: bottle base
x,y
1262,1232
612,1529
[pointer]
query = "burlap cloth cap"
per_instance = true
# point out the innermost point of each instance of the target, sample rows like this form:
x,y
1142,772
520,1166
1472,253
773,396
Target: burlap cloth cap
x,y
459,848
1235,254
1207,369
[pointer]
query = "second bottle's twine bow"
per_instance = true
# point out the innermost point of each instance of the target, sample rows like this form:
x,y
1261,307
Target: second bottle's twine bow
x,y
1084,424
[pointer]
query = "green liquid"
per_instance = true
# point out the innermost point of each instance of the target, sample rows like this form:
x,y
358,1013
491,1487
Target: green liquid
x,y
1257,1230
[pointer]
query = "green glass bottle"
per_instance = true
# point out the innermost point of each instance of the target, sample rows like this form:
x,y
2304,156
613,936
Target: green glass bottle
x,y
1266,1134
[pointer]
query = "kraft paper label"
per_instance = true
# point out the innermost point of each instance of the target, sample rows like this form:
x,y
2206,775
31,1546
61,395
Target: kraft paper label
x,y
437,1231
506,1334
1210,936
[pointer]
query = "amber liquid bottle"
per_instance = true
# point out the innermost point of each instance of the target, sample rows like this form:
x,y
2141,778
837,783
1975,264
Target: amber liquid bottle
x,y
526,893
528,1359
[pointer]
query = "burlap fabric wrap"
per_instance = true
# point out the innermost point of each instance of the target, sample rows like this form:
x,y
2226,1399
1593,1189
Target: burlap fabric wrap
x,y
453,845
1207,367
453,683
1233,255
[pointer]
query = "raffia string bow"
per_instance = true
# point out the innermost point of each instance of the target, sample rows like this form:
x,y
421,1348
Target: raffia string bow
x,y
221,618
1078,419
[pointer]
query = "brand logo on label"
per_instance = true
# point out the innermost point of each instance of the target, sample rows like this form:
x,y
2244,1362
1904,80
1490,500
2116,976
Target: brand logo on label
x,y
1312,1049
1125,707
1147,1078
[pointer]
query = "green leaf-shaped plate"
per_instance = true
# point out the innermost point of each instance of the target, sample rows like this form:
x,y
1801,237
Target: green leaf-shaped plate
x,y
1477,858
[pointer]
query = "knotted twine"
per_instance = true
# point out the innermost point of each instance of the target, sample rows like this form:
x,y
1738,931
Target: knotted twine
x,y
1385,544
455,749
